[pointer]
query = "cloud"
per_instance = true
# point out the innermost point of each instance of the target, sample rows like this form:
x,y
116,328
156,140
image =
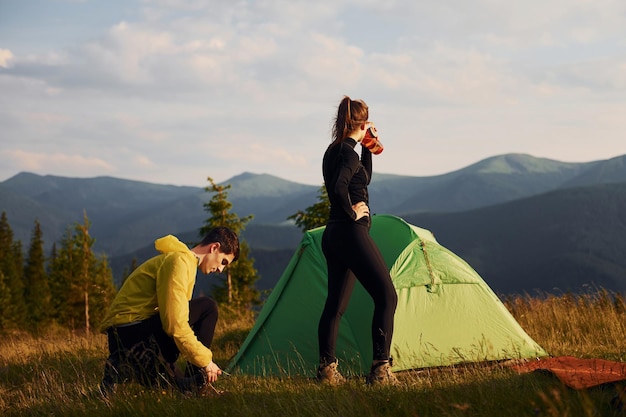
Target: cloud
x,y
71,164
261,51
6,56
144,162
217,50
47,118
196,85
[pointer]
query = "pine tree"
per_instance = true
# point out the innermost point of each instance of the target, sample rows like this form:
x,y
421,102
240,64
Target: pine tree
x,y
315,215
5,300
57,279
102,290
238,287
59,270
81,283
129,269
53,256
244,292
11,265
84,242
36,289
64,282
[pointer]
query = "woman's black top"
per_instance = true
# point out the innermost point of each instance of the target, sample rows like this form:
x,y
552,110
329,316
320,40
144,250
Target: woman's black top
x,y
346,178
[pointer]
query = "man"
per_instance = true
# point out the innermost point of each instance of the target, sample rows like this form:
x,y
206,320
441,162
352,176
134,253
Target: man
x,y
153,320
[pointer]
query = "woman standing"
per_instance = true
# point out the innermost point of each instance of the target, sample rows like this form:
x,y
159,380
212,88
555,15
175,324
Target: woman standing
x,y
349,249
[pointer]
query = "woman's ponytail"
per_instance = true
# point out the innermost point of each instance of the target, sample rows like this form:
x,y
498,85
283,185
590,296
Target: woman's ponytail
x,y
350,114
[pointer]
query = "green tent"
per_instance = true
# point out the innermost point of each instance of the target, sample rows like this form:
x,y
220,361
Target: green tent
x,y
446,313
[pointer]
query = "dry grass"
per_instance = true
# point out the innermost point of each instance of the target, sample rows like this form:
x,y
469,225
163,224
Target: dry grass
x,y
589,325
57,373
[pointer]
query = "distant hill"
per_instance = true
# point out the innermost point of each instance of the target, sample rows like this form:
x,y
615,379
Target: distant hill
x,y
566,240
271,247
125,214
511,191
491,181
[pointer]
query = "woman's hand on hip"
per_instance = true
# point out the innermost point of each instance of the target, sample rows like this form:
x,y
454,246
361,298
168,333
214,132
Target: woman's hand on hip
x,y
361,209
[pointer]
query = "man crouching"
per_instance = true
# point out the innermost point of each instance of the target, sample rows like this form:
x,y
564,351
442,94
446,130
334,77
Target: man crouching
x,y
152,319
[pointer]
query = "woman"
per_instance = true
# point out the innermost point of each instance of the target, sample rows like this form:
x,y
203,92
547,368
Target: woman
x,y
349,249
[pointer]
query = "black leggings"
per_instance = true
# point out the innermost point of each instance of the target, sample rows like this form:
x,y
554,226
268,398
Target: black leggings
x,y
203,314
351,254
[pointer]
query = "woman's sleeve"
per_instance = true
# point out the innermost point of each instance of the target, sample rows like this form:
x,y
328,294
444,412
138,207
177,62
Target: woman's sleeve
x,y
366,160
343,174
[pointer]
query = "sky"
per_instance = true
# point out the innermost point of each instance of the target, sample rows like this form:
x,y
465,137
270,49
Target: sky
x,y
175,91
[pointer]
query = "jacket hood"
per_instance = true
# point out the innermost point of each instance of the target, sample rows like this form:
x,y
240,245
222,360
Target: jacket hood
x,y
170,243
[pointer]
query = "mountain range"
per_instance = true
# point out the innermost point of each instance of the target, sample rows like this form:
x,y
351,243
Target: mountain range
x,y
524,223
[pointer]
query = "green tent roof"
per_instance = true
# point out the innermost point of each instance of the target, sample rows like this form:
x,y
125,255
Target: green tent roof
x,y
446,312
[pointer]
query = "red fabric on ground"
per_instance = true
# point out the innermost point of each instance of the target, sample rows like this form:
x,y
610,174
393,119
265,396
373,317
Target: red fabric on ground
x,y
578,373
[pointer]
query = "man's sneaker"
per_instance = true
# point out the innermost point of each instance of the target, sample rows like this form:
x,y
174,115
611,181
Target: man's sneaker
x,y
381,374
328,374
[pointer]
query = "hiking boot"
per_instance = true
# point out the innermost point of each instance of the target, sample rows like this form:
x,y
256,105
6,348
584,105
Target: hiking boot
x,y
328,374
381,374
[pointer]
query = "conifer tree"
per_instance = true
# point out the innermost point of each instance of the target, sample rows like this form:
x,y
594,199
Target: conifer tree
x,y
129,269
36,289
244,293
102,289
81,283
315,215
59,277
53,251
238,287
11,265
84,242
5,300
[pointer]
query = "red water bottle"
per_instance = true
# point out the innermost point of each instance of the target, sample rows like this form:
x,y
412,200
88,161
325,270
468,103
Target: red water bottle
x,y
371,141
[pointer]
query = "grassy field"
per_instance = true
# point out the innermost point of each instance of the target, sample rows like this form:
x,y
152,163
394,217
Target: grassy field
x,y
56,374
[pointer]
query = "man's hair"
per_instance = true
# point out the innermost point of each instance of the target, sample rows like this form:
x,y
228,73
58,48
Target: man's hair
x,y
228,240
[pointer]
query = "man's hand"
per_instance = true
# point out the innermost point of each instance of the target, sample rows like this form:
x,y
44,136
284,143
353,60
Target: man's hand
x,y
212,371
